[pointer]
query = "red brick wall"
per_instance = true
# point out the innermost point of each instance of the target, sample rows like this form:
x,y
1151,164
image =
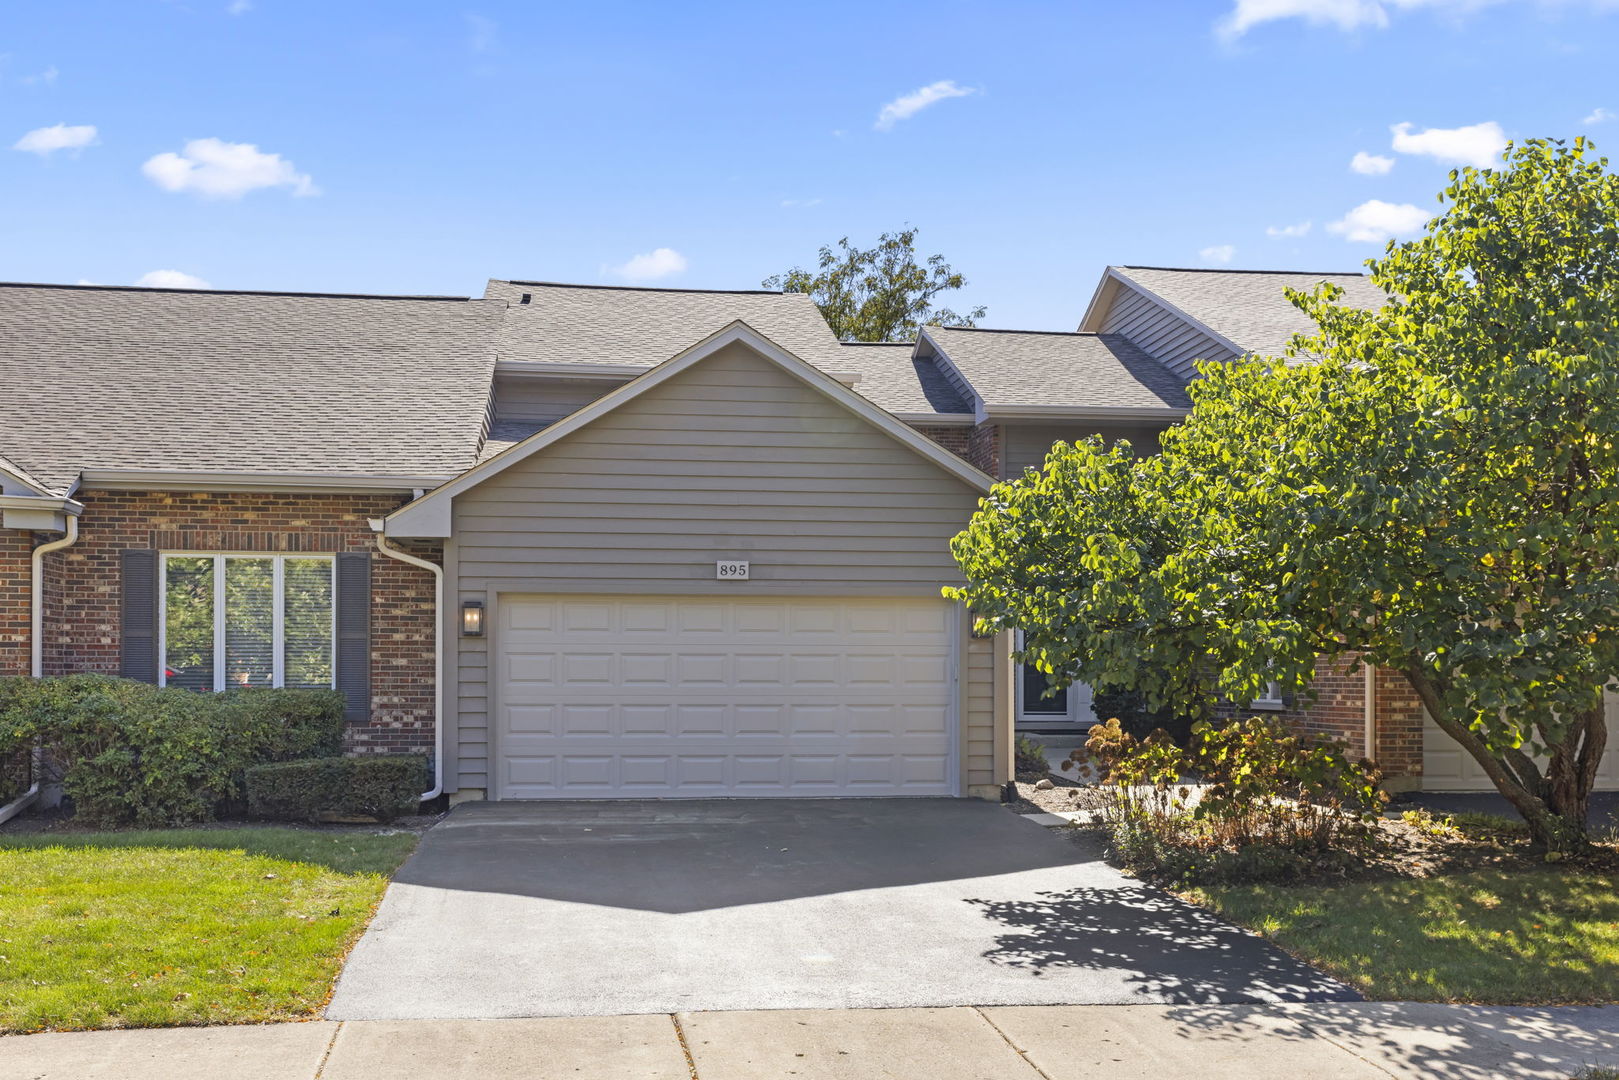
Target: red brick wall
x,y
82,614
956,438
1339,713
984,449
15,586
979,445
1399,725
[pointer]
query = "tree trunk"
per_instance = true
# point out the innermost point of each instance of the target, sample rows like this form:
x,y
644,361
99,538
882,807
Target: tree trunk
x,y
1553,805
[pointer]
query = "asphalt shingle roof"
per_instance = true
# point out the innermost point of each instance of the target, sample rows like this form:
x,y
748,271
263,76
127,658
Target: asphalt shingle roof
x,y
1024,367
587,324
124,378
1248,306
892,379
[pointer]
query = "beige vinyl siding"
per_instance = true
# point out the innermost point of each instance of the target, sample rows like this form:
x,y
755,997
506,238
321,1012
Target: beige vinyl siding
x,y
1026,445
541,400
733,459
1162,334
978,713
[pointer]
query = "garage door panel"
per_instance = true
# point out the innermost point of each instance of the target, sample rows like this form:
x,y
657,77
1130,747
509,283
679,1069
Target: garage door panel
x,y
1447,767
697,696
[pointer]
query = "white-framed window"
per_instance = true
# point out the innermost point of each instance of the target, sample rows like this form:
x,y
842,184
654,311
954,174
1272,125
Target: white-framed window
x,y
1271,699
232,620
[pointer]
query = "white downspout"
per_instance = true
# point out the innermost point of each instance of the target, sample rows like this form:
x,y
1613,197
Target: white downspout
x,y
438,651
1370,697
37,631
36,641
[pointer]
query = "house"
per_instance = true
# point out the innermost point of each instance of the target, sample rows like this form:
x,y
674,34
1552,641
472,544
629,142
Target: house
x,y
580,541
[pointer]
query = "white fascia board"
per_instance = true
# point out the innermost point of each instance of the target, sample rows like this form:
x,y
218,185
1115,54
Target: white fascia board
x,y
38,513
1101,301
430,515
1086,412
289,483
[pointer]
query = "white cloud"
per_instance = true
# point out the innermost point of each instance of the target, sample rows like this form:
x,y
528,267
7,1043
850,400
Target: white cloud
x,y
239,7
908,105
86,281
1344,14
1370,164
651,265
800,202
1476,144
1220,253
47,140
1599,115
1349,15
1281,231
481,33
171,279
1374,221
217,169
44,78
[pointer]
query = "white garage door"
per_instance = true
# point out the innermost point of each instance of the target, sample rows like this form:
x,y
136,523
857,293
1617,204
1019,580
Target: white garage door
x,y
1447,767
610,697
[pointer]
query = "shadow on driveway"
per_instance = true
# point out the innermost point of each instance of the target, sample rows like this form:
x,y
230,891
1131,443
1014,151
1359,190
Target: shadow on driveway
x,y
577,909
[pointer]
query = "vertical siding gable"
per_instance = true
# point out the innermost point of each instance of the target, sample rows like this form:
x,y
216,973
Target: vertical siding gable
x,y
1161,333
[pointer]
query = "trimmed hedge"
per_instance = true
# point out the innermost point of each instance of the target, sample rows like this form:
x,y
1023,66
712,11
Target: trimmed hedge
x,y
130,753
381,786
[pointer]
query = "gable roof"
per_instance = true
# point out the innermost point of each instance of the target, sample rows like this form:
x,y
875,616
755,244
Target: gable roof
x,y
630,327
1246,308
1101,373
429,516
193,382
18,477
895,378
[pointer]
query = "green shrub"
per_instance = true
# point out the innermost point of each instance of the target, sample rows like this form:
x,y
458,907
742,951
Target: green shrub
x,y
381,786
1129,708
1029,758
1248,801
131,753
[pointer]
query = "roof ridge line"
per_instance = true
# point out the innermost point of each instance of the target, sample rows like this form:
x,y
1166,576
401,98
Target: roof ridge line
x,y
644,288
234,292
1001,330
1227,270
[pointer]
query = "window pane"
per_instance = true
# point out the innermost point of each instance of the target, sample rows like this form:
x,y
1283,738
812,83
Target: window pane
x,y
249,622
307,584
188,618
1035,703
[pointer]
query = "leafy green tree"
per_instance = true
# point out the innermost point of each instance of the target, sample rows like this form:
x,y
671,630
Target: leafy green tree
x,y
880,294
1435,488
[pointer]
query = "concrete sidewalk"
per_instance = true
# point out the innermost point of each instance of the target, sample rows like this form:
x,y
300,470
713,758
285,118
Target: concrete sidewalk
x,y
1351,1040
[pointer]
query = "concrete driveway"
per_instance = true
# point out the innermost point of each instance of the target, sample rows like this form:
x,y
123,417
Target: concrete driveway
x,y
604,908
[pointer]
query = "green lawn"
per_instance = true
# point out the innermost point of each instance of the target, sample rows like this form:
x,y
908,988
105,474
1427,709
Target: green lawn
x,y
1535,936
185,926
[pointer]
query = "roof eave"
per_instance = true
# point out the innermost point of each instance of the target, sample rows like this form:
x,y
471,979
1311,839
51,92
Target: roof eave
x,y
288,483
1166,413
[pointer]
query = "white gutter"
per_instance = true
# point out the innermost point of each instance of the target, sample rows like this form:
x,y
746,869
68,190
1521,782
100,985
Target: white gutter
x,y
37,650
281,483
438,651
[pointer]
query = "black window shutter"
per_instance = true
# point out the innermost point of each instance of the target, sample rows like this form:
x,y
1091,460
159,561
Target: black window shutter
x,y
354,634
138,658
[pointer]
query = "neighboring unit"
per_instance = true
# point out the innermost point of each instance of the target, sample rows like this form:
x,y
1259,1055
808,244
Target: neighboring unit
x,y
498,525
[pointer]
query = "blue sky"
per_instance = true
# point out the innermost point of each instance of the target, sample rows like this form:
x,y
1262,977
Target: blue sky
x,y
423,147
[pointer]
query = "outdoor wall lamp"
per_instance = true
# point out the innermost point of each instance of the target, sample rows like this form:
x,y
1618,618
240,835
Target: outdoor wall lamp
x,y
472,618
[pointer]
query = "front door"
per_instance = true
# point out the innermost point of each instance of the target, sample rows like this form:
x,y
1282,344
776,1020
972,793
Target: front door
x,y
1068,709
